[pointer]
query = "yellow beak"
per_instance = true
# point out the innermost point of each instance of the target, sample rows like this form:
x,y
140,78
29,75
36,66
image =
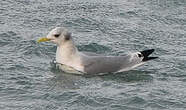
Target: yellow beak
x,y
44,39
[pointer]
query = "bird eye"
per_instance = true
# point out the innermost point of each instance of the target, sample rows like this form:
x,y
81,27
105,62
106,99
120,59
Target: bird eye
x,y
56,35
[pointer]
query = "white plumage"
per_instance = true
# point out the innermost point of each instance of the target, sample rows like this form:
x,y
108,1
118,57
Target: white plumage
x,y
90,63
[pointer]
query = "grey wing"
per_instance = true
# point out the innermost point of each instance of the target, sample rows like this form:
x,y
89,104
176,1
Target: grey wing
x,y
103,64
134,61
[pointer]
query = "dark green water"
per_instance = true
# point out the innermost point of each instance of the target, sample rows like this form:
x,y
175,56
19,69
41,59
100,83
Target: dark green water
x,y
29,81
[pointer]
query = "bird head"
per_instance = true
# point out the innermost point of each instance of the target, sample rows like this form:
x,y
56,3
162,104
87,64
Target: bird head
x,y
58,35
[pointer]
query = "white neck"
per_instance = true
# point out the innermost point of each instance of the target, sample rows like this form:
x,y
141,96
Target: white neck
x,y
66,53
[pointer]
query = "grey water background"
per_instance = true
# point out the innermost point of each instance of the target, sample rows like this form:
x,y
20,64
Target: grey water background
x,y
29,80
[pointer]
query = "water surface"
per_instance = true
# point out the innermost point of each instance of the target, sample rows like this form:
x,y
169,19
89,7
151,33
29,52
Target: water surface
x,y
29,81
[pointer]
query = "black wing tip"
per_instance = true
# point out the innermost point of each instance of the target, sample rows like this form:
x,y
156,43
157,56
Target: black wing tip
x,y
146,54
149,58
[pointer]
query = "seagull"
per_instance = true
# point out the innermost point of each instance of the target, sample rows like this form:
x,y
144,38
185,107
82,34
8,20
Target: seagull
x,y
73,61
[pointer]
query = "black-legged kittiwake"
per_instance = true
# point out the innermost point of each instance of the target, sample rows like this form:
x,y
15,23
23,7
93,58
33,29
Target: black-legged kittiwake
x,y
69,57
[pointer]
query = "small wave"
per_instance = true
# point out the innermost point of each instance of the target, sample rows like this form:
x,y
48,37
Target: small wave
x,y
94,47
8,38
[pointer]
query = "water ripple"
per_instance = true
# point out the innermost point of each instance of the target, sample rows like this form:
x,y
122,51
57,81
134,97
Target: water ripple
x,y
111,27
